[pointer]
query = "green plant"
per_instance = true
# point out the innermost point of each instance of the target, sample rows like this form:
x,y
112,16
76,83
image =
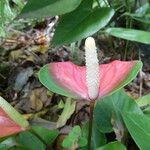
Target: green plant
x,y
8,11
115,112
89,82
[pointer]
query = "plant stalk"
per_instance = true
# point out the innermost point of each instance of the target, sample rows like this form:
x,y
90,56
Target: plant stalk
x,y
128,25
92,104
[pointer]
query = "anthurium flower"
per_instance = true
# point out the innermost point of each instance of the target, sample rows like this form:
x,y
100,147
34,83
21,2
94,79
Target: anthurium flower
x,y
88,82
11,121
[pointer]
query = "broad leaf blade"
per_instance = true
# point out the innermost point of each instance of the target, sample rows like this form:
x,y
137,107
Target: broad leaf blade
x,y
37,9
73,140
130,34
8,142
112,146
81,23
111,106
30,141
48,136
144,100
144,103
139,128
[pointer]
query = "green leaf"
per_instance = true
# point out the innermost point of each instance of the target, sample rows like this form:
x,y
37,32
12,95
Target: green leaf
x,y
109,108
144,103
112,146
37,9
142,18
81,23
9,142
74,139
30,141
142,14
2,31
48,136
13,114
130,34
17,148
7,14
3,147
139,128
98,138
68,110
143,9
61,105
19,3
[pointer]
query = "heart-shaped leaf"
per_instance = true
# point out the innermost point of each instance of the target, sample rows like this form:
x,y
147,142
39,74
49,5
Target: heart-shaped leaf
x,y
111,107
139,128
37,9
68,79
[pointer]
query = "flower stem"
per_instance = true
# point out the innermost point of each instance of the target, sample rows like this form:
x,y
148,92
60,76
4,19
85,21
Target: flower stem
x,y
92,103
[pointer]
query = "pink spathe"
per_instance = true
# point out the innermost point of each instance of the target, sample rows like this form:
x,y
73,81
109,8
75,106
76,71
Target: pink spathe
x,y
73,78
7,125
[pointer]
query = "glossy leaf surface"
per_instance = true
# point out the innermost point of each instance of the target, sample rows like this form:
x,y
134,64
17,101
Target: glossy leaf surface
x,y
74,138
112,146
37,9
98,138
81,23
111,107
144,100
8,142
48,136
10,120
68,79
29,141
130,34
144,103
139,128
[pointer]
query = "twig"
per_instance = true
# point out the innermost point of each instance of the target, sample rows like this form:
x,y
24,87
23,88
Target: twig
x,y
129,23
2,76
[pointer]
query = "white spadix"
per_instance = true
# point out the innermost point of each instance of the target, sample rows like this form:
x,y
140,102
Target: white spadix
x,y
92,68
